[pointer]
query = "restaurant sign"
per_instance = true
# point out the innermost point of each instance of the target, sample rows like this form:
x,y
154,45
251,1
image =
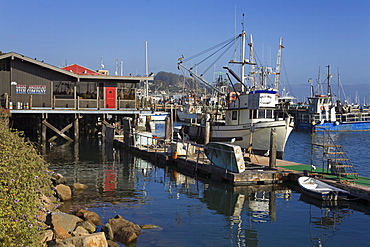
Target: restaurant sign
x,y
32,89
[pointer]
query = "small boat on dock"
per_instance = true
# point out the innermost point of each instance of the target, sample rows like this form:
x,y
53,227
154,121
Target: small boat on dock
x,y
321,190
226,155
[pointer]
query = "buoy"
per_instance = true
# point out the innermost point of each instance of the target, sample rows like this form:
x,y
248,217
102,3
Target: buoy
x,y
174,156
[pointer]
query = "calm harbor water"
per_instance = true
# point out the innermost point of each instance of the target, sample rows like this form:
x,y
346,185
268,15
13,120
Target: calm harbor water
x,y
191,211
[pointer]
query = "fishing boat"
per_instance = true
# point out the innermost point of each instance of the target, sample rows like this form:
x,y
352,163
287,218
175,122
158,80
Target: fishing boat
x,y
320,190
324,112
250,114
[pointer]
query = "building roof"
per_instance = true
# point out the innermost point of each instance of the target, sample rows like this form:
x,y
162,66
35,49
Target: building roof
x,y
82,76
80,70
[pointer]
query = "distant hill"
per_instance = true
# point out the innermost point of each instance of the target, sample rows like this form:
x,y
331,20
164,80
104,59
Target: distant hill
x,y
175,83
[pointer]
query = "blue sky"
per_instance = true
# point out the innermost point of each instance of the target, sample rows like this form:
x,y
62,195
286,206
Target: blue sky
x,y
315,33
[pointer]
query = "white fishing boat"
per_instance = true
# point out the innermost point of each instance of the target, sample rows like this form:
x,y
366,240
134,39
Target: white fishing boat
x,y
320,190
250,115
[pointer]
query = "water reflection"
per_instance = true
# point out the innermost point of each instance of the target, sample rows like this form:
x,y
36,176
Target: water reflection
x,y
184,206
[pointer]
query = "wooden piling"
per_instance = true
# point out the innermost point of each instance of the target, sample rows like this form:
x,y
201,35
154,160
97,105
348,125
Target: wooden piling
x,y
76,127
207,133
273,139
43,128
167,134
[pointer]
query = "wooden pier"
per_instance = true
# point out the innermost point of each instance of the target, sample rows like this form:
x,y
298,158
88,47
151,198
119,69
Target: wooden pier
x,y
258,168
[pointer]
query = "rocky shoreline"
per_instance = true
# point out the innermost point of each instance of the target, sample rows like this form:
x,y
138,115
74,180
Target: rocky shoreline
x,y
79,228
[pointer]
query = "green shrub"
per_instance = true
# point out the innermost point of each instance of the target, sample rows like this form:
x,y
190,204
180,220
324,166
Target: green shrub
x,y
24,179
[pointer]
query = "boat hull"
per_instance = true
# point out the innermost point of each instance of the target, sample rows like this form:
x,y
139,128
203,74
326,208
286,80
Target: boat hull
x,y
335,127
241,134
188,117
320,190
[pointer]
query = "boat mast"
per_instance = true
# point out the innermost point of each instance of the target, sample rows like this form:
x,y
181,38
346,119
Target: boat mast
x,y
278,65
252,62
329,88
338,84
243,56
146,70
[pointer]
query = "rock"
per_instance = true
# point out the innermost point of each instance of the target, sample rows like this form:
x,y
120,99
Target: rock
x,y
60,232
107,229
67,221
47,235
123,230
112,244
90,227
79,186
57,178
59,244
91,240
89,216
64,192
125,237
148,226
118,223
80,231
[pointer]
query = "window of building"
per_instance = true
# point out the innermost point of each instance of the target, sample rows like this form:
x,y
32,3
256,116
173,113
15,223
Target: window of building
x,y
5,65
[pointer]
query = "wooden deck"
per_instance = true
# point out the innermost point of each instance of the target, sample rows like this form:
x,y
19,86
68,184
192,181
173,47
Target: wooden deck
x,y
257,172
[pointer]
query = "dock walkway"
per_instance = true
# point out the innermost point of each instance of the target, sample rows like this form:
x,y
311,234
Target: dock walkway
x,y
257,169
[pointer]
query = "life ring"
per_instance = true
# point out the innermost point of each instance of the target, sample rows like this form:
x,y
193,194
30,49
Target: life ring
x,y
322,108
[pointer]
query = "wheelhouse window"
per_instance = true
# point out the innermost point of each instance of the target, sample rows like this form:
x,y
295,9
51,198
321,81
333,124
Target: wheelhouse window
x,y
269,114
261,113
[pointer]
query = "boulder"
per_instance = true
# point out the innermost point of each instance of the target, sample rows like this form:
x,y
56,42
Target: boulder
x,y
47,235
125,237
55,243
107,229
60,232
118,223
80,231
89,216
90,227
57,178
91,240
79,186
67,221
64,192
112,244
123,230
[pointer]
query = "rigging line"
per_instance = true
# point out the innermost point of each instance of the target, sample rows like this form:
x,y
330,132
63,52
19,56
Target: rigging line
x,y
231,44
212,54
209,49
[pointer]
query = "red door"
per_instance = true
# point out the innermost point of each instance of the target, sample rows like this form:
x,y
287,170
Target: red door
x,y
110,97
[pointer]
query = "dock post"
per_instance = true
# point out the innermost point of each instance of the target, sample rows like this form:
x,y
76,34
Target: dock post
x,y
103,128
273,139
31,102
76,127
43,128
167,134
207,132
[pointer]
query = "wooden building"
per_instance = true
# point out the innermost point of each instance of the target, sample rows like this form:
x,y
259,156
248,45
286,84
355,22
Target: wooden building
x,y
29,83
32,89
